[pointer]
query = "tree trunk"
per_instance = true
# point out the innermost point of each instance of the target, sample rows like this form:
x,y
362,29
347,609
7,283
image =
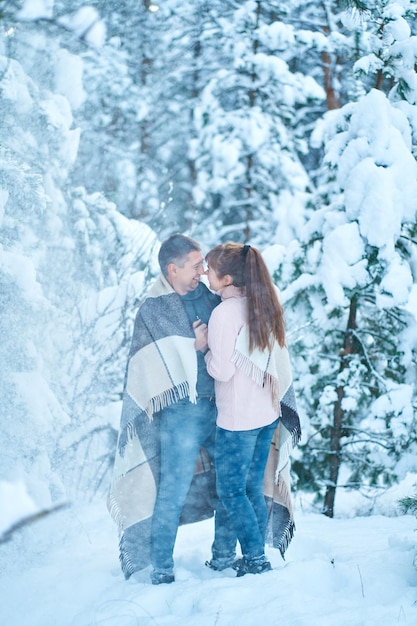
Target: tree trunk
x,y
332,99
192,170
249,159
338,414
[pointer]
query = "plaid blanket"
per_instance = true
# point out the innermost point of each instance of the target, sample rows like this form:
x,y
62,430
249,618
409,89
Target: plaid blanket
x,y
274,370
162,368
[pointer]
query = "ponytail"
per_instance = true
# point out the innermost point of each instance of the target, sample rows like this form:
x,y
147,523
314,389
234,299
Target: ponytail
x,y
265,313
248,270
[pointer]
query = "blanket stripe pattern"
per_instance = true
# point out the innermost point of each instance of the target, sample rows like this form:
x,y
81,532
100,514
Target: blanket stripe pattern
x,y
161,369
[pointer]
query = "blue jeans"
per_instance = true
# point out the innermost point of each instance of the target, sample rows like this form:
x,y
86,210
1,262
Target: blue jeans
x,y
240,459
184,428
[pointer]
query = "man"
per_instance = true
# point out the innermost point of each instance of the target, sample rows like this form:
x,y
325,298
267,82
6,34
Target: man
x,y
168,416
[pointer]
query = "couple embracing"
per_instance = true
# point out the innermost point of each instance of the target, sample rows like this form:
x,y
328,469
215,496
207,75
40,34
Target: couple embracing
x,y
209,416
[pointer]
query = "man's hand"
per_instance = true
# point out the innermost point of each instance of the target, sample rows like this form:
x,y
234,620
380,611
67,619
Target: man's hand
x,y
200,331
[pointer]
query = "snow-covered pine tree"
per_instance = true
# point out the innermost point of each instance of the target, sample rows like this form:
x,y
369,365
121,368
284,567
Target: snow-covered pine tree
x,y
247,150
118,116
72,268
137,118
351,275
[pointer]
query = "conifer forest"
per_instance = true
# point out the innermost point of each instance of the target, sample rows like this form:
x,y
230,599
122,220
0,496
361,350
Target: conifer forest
x,y
288,125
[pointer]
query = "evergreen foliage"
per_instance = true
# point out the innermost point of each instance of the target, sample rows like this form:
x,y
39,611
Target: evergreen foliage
x,y
409,505
361,432
290,125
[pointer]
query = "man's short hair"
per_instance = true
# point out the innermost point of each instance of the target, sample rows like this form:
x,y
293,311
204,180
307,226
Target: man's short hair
x,y
175,249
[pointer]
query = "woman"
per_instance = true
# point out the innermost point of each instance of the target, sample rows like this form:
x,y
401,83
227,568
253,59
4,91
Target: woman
x,y
246,334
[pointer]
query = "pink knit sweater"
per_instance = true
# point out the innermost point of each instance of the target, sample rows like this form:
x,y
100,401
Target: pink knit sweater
x,y
241,403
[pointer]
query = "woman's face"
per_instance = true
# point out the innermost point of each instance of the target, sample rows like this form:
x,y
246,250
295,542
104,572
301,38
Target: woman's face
x,y
216,283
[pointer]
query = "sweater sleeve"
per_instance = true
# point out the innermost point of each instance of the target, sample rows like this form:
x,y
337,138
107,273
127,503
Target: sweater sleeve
x,y
222,335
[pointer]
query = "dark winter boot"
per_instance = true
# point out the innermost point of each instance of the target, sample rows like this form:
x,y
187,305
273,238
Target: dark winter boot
x,y
218,565
159,577
257,565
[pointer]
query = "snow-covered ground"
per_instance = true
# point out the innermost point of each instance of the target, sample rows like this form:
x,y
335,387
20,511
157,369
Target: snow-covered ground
x,y
343,572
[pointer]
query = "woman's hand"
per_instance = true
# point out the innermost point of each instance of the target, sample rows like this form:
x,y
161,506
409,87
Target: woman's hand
x,y
200,331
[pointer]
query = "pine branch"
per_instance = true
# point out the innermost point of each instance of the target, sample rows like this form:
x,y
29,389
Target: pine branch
x,y
358,5
408,505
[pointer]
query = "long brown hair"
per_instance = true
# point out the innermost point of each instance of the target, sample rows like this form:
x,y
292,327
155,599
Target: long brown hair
x,y
247,268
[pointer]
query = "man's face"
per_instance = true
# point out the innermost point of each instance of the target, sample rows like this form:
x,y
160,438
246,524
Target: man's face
x,y
186,278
